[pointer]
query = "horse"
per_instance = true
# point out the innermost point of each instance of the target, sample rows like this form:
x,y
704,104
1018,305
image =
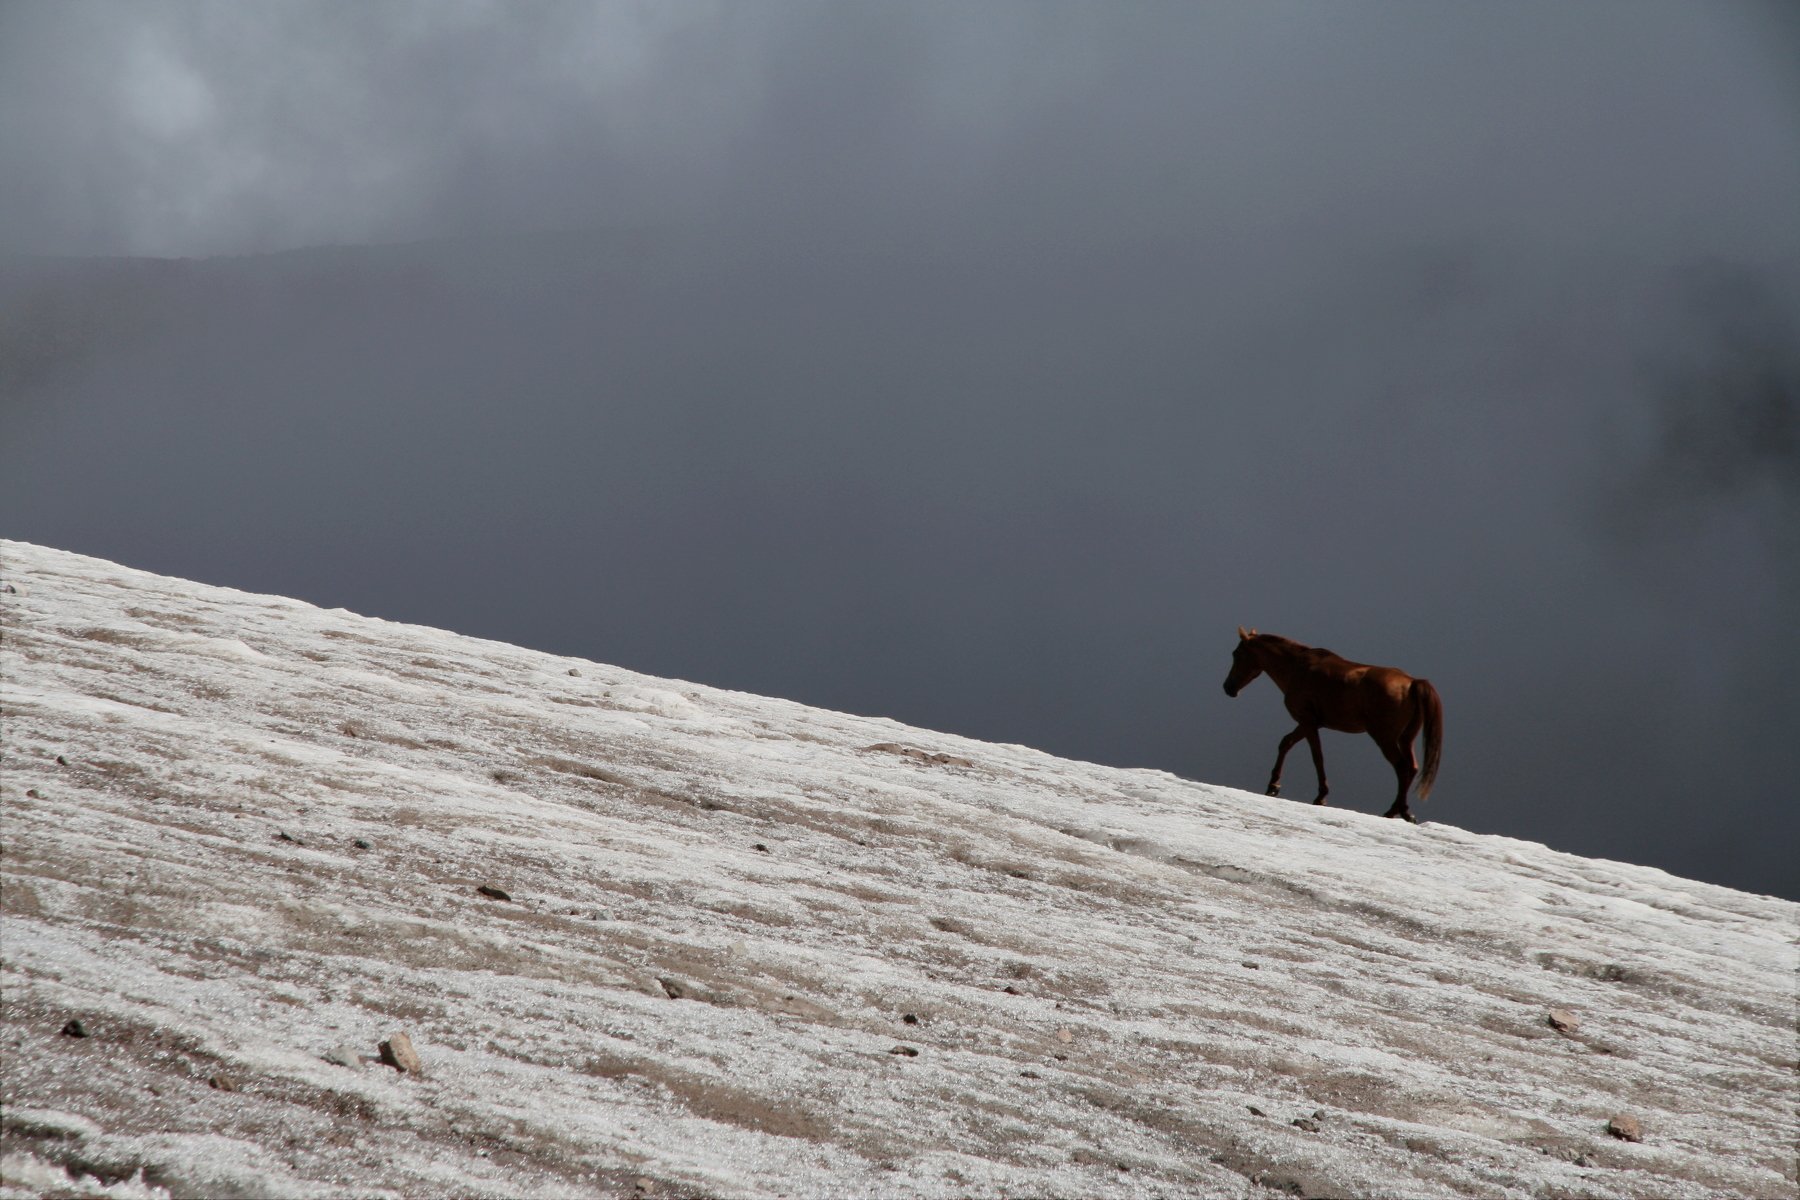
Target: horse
x,y
1324,691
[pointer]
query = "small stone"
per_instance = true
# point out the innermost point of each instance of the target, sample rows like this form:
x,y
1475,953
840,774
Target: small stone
x,y
61,761
676,989
221,1082
74,1028
32,794
644,1184
342,1056
1065,1035
909,1018
907,1051
493,893
761,847
574,672
1625,1128
1564,1021
1306,1124
287,837
398,1053
363,844
1010,990
1255,1111
1253,966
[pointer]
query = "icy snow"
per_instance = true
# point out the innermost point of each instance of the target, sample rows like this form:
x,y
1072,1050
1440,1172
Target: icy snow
x,y
1103,972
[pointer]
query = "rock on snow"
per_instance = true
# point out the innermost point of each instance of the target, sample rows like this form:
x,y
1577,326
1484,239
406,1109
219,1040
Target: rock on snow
x,y
242,834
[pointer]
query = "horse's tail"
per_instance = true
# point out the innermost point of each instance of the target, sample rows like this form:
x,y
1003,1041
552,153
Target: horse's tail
x,y
1429,711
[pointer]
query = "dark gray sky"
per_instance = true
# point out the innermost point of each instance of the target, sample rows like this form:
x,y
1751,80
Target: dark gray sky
x,y
979,365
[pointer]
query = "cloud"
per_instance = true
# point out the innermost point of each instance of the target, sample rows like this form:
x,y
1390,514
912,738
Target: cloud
x,y
187,128
1729,410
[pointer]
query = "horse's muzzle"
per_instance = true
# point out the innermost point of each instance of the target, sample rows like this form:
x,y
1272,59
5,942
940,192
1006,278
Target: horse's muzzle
x,y
1231,691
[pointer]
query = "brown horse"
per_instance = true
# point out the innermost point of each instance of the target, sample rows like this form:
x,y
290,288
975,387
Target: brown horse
x,y
1323,691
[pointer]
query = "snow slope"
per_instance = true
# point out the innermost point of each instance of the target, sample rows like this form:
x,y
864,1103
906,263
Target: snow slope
x,y
756,949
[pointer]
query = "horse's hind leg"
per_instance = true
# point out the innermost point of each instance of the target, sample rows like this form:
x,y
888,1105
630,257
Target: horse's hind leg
x,y
1406,768
1287,743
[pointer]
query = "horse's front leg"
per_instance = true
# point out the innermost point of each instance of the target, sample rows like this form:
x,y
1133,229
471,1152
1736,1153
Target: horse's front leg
x,y
1287,743
1318,753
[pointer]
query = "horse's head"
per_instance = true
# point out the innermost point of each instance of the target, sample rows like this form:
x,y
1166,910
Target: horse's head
x,y
1244,666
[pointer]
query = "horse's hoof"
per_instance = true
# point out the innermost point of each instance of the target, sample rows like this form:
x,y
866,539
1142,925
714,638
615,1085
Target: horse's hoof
x,y
1274,790
1320,802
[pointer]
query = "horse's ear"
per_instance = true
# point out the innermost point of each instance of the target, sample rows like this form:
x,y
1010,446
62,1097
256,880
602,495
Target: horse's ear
x,y
1244,637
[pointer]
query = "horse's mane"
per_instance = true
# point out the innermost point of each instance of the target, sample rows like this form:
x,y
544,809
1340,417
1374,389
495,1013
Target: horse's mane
x,y
1299,649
